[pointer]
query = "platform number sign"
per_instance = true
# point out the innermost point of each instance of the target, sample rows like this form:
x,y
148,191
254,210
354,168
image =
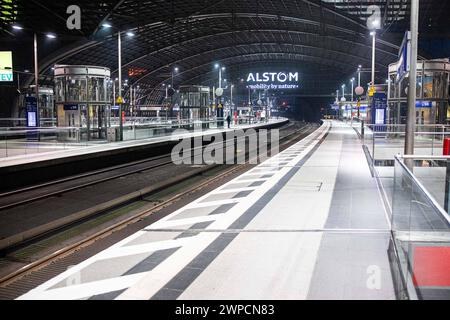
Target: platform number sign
x,y
6,69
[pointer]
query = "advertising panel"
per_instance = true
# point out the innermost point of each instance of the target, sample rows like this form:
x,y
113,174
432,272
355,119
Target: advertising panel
x,y
6,66
272,80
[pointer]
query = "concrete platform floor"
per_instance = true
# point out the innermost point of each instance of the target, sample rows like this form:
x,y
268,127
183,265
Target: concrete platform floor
x,y
308,223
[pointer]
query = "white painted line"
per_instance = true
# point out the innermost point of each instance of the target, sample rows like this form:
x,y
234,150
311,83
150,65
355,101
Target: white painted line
x,y
225,191
142,248
182,222
256,174
146,287
250,180
210,203
79,291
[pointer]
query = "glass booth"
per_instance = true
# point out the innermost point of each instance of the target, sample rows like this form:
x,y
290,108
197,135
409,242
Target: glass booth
x,y
432,105
83,100
195,104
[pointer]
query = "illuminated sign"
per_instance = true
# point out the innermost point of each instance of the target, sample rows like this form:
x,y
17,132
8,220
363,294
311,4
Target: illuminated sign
x,y
135,72
273,80
31,107
70,107
6,70
404,58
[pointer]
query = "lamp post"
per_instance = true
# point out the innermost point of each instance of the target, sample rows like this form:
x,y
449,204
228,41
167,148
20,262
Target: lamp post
x,y
374,24
374,36
174,70
220,73
388,82
219,93
231,97
214,98
359,75
250,105
119,100
167,93
18,28
114,92
351,103
166,88
36,79
343,100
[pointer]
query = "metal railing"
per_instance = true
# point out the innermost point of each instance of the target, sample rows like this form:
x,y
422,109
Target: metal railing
x,y
16,141
385,141
22,122
420,224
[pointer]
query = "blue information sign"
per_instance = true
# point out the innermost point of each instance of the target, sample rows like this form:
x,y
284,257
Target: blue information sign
x,y
70,107
424,104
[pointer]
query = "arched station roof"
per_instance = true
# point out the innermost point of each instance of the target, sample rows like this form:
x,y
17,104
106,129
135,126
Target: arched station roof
x,y
325,40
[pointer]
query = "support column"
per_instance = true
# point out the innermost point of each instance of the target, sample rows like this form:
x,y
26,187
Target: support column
x,y
411,115
36,80
119,49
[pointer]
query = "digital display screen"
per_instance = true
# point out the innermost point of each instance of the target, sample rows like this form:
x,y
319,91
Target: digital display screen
x,y
31,119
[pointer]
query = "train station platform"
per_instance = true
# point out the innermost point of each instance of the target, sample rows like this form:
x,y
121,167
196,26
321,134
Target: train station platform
x,y
73,159
33,151
308,223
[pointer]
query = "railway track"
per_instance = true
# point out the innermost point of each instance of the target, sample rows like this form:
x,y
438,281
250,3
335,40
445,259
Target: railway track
x,y
144,178
25,278
49,189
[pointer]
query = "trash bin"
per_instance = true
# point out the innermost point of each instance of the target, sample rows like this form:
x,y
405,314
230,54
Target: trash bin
x,y
446,151
111,134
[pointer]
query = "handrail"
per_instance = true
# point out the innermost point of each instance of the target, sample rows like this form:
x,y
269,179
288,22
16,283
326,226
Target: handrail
x,y
425,157
422,133
404,125
433,201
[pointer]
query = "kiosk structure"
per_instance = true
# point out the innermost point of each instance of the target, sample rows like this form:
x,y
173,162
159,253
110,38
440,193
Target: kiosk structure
x,y
432,105
194,103
83,101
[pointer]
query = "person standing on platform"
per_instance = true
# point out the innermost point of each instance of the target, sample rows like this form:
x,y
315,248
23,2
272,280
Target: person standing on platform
x,y
228,120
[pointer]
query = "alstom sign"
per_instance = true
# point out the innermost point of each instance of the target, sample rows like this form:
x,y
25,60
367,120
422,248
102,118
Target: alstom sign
x,y
273,80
